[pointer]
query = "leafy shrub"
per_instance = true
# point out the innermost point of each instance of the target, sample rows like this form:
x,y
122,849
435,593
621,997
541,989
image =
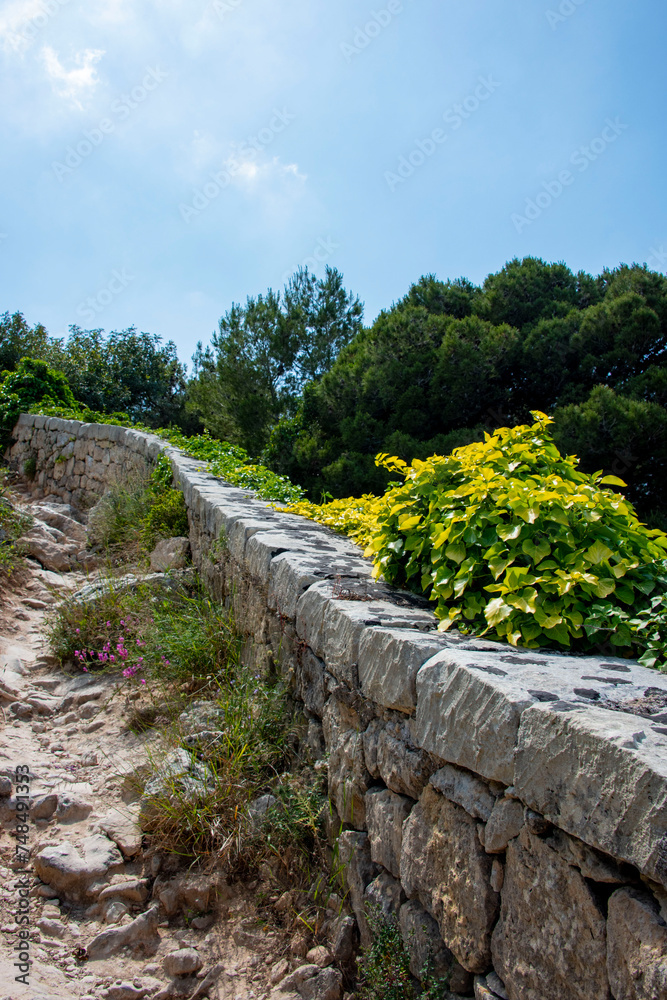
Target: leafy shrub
x,y
385,967
169,636
32,383
510,537
167,515
13,525
135,514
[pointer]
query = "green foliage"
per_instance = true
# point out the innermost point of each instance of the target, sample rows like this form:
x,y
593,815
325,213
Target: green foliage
x,y
13,524
233,464
166,516
19,340
451,360
133,515
264,353
510,537
179,634
385,966
32,383
123,371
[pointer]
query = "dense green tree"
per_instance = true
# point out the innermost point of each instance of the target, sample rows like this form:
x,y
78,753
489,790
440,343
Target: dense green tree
x,y
450,360
124,371
18,340
265,352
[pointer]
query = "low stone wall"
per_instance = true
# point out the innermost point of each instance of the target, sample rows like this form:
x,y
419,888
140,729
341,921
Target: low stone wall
x,y
508,806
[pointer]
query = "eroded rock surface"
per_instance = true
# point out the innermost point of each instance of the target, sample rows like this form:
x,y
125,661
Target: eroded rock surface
x,y
445,867
550,941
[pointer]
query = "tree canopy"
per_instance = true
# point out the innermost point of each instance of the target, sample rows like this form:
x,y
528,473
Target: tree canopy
x,y
452,360
265,352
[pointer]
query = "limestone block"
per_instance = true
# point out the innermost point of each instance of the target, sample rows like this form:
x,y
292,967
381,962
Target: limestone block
x,y
348,778
445,867
591,863
333,627
550,941
402,766
385,814
384,897
323,548
600,776
370,741
468,791
241,530
310,682
389,660
468,713
504,824
169,554
422,941
465,691
358,870
637,947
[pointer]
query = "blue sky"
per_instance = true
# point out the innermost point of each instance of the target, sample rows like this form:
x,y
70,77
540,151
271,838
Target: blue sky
x,y
164,158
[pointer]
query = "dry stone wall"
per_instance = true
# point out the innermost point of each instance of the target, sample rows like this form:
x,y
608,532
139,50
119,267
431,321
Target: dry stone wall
x,y
508,807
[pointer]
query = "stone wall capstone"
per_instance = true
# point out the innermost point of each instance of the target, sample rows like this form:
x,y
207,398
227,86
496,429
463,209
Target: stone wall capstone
x,y
507,806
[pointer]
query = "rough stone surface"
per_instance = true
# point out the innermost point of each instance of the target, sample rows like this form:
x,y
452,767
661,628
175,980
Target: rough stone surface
x,y
600,776
385,814
122,826
348,778
384,895
637,947
170,553
72,808
403,767
358,871
309,982
504,824
468,791
389,660
72,872
444,865
422,940
559,949
183,962
140,934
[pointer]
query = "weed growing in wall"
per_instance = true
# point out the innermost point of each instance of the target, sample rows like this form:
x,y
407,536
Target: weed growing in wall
x,y
135,514
385,966
13,525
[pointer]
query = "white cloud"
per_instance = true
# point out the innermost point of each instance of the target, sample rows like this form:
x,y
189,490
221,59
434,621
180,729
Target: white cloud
x,y
73,84
20,22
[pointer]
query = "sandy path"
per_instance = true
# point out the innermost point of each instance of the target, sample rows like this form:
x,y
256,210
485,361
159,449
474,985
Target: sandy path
x,y
83,751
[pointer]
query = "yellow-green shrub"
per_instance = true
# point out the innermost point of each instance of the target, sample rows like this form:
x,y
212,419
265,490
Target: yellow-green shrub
x,y
510,535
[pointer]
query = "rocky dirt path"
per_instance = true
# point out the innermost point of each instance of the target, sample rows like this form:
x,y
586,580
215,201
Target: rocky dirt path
x,y
106,918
